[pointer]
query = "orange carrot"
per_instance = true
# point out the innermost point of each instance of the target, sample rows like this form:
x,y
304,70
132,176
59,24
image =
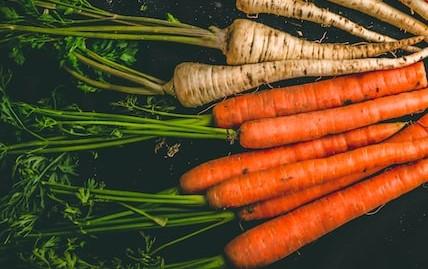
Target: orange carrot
x,y
280,237
319,95
212,172
269,183
289,201
306,126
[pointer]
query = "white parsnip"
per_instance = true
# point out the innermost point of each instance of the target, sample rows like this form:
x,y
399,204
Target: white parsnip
x,y
251,42
386,13
196,84
310,12
418,6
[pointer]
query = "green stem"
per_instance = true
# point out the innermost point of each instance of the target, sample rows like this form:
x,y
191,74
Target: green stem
x,y
142,30
158,220
121,18
190,235
156,124
80,11
109,86
154,200
216,262
206,117
138,37
196,200
135,119
56,141
123,68
179,134
92,146
99,115
138,224
126,213
156,88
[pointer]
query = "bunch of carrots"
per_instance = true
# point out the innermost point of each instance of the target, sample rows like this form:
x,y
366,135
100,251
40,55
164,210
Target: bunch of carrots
x,y
312,149
323,139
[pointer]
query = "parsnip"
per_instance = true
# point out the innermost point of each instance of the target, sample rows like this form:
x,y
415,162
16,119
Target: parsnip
x,y
310,12
418,6
386,13
252,42
196,84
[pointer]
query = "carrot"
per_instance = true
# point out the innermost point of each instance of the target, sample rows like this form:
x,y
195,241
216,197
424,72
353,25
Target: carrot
x,y
310,12
386,13
272,132
418,6
197,84
318,95
290,201
269,183
215,171
280,237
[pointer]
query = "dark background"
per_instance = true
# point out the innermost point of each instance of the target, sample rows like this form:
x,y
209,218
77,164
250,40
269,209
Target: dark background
x,y
395,237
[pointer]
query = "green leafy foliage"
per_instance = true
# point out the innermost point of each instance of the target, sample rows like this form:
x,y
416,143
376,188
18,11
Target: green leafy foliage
x,y
58,253
152,104
66,48
116,50
70,253
8,14
85,87
171,18
7,109
28,197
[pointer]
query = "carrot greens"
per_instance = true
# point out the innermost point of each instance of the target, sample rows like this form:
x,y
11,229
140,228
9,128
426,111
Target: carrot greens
x,y
54,130
46,212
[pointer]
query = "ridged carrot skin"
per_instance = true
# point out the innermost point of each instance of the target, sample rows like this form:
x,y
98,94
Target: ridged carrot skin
x,y
287,202
318,95
269,183
278,238
278,131
210,173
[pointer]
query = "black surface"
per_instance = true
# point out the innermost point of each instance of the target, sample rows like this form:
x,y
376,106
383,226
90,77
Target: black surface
x,y
395,237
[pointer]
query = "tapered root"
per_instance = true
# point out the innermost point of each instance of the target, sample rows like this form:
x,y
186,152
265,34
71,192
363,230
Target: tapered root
x,y
418,6
308,11
384,12
252,42
198,84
